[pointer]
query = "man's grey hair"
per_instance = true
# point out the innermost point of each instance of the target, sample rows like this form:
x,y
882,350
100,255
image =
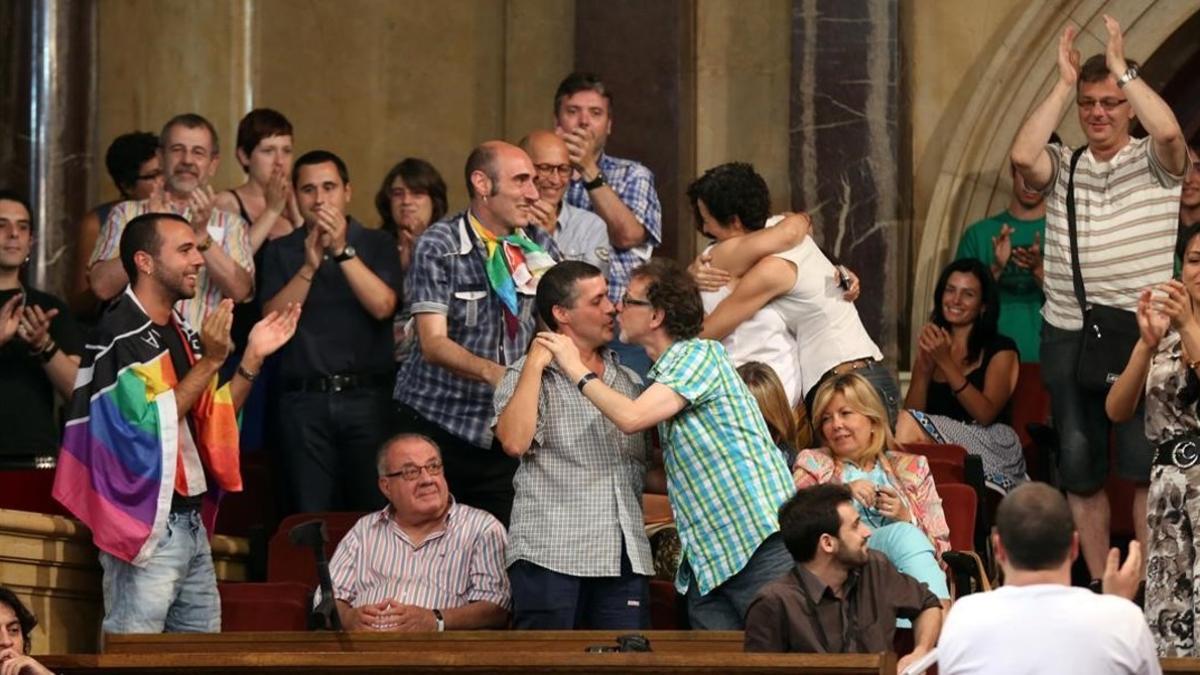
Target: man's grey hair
x,y
382,455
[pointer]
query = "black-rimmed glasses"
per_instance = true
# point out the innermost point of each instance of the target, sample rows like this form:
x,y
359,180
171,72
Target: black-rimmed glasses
x,y
411,472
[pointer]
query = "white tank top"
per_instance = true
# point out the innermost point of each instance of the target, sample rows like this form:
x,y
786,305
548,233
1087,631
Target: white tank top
x,y
763,337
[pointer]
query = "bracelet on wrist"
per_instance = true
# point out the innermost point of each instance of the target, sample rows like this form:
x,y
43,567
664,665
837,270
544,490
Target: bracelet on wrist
x,y
48,351
249,376
584,380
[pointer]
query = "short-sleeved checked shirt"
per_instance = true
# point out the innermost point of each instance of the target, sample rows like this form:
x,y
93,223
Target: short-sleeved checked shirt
x,y
461,564
634,184
228,231
448,277
579,488
725,477
582,235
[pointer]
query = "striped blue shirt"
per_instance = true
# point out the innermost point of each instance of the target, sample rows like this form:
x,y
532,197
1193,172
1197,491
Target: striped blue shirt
x,y
461,564
634,184
725,477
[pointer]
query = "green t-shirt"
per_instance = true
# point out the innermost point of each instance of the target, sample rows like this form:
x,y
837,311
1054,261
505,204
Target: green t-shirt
x,y
1020,296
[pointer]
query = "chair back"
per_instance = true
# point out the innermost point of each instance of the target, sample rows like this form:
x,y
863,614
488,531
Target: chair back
x,y
960,503
286,562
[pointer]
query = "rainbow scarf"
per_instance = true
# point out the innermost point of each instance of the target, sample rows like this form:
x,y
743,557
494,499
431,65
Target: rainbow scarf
x,y
124,452
514,263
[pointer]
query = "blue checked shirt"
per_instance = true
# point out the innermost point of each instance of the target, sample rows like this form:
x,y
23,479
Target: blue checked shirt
x,y
448,277
634,184
725,477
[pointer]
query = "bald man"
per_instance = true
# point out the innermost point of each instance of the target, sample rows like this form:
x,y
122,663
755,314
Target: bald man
x,y
579,233
471,288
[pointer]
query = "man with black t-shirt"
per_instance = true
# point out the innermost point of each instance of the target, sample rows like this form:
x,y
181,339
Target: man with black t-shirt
x,y
39,347
151,440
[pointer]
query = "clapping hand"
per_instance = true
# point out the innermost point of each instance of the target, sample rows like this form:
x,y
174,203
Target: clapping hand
x,y
200,208
1068,57
215,340
273,331
332,224
935,341
582,149
1030,257
35,326
10,318
1002,247
1114,50
1152,322
1175,303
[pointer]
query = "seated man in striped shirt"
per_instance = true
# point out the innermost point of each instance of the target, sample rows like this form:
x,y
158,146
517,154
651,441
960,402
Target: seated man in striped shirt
x,y
425,562
1127,203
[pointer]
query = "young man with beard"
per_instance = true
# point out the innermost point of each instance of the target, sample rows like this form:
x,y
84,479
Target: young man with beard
x,y
840,597
151,441
189,154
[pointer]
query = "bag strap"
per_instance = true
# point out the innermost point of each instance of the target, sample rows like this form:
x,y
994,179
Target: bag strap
x,y
1073,234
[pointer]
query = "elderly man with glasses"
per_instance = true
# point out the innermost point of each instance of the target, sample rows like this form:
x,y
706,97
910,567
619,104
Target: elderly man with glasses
x,y
424,562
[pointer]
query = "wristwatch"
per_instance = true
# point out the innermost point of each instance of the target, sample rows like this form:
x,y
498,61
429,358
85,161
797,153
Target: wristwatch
x,y
1130,75
346,254
441,620
206,244
595,182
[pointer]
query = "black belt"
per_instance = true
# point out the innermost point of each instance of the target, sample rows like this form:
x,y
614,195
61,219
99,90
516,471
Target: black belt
x,y
1182,452
182,504
336,383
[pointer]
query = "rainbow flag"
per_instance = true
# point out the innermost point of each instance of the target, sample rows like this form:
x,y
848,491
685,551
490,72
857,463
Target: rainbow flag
x,y
124,451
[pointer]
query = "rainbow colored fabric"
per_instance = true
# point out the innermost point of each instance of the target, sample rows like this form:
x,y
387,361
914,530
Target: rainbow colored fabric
x,y
124,451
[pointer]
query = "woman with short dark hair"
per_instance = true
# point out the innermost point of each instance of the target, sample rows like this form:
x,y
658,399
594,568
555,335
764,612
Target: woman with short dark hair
x,y
16,623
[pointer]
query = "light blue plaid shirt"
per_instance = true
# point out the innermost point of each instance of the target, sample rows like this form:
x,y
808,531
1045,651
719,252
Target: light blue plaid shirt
x,y
448,277
725,477
634,184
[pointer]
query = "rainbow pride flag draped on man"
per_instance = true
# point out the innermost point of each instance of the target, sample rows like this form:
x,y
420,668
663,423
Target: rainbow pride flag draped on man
x,y
125,452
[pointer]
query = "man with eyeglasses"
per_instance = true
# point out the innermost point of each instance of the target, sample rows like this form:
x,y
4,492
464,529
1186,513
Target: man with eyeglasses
x,y
424,562
725,477
189,154
579,233
1127,207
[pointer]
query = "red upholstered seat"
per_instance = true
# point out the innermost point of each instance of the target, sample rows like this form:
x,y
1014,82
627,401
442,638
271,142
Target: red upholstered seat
x,y
1031,405
264,606
29,490
960,502
286,562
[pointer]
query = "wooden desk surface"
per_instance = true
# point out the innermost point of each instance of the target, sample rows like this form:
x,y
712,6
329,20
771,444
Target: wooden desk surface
x,y
451,642
719,663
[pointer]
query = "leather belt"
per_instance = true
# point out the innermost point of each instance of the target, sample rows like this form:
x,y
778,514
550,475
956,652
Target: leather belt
x,y
337,383
1182,452
850,366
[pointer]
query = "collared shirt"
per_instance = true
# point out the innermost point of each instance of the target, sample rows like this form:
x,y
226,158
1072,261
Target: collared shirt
x,y
448,277
336,334
461,564
582,235
1127,219
579,487
228,231
725,477
634,184
800,613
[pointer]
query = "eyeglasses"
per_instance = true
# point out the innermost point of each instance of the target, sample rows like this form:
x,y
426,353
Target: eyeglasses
x,y
547,170
1109,104
626,300
411,472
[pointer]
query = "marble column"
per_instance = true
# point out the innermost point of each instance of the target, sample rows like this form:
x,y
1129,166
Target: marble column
x,y
849,155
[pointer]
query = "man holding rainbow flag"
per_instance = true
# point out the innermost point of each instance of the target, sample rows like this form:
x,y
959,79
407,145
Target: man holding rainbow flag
x,y
151,440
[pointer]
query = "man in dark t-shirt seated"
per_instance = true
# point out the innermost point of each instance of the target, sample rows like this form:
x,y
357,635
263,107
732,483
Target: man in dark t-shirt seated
x,y
39,348
840,598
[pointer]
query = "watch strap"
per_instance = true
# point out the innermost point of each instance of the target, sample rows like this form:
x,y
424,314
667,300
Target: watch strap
x,y
1131,73
441,620
584,380
346,254
595,182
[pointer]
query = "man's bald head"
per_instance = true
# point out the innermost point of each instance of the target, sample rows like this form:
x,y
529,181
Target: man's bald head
x,y
500,181
552,163
1035,527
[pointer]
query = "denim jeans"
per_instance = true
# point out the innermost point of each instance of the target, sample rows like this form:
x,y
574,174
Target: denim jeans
x,y
175,591
724,607
1082,424
547,600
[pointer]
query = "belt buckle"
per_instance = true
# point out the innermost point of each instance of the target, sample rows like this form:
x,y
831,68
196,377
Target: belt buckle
x,y
1184,454
337,383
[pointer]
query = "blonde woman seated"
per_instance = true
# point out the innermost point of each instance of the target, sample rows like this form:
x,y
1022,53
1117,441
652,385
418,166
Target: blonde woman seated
x,y
789,427
893,491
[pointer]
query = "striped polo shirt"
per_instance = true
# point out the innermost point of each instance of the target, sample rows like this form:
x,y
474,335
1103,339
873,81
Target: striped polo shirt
x,y
1126,214
461,564
228,231
725,477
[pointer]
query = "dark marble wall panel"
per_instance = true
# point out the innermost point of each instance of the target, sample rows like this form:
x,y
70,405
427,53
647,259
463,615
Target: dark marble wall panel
x,y
849,148
644,53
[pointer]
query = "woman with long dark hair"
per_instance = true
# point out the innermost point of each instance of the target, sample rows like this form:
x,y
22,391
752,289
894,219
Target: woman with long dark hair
x,y
964,376
1163,365
16,622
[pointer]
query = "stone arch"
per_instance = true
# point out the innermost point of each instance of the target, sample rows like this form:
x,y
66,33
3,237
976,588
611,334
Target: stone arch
x,y
971,182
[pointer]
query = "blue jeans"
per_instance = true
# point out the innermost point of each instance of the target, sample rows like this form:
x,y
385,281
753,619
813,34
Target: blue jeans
x,y
1082,424
547,600
724,607
175,591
